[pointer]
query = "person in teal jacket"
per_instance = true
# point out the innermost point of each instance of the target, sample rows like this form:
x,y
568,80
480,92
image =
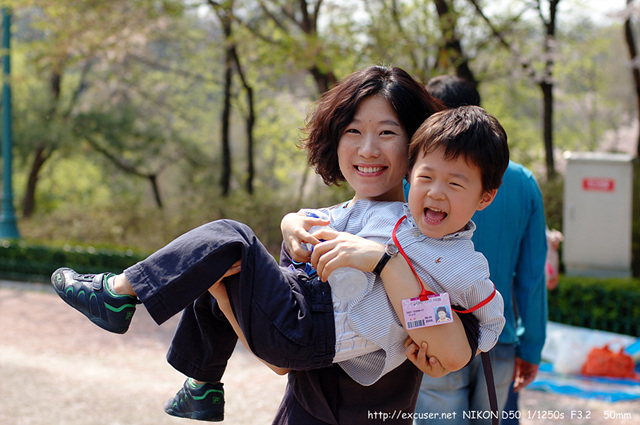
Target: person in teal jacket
x,y
511,233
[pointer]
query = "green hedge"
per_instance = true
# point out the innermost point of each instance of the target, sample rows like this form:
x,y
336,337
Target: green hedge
x,y
22,261
596,303
609,304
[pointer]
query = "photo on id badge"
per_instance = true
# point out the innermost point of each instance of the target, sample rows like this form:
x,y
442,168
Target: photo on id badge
x,y
435,310
443,313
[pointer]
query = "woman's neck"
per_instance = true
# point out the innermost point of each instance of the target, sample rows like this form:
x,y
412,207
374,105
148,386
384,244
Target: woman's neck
x,y
395,195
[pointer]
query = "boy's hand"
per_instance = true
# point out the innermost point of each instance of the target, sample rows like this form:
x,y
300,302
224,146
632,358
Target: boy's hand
x,y
418,356
294,228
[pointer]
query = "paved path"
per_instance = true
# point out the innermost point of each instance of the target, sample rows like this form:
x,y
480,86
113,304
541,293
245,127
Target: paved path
x,y
56,367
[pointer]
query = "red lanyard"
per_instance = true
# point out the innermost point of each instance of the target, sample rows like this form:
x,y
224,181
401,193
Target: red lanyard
x,y
424,294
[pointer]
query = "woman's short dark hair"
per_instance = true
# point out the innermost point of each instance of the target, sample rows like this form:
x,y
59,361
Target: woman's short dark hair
x,y
467,131
337,107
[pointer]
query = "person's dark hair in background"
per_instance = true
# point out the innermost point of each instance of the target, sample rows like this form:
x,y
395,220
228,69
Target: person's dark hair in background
x,y
454,91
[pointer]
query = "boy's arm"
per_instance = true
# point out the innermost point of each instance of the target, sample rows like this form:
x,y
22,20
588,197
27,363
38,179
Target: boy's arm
x,y
490,316
447,342
294,228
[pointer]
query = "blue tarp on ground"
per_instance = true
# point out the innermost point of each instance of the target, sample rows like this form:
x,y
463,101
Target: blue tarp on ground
x,y
606,389
564,354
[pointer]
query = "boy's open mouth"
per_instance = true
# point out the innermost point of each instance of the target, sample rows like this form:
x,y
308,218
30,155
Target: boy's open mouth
x,y
433,215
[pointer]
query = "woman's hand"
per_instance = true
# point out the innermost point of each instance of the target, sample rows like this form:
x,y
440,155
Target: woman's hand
x,y
341,249
294,227
418,356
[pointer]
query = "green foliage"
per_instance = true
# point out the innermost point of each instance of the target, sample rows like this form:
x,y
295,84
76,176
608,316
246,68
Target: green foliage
x,y
19,260
124,220
516,107
587,104
635,232
611,304
141,81
553,197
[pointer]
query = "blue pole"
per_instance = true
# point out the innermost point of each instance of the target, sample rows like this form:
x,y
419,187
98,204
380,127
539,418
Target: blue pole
x,y
8,223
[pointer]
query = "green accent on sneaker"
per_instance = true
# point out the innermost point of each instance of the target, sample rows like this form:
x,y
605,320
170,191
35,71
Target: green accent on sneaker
x,y
112,291
201,397
119,309
193,384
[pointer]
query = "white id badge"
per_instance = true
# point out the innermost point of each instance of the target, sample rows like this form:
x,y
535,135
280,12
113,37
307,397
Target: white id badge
x,y
435,310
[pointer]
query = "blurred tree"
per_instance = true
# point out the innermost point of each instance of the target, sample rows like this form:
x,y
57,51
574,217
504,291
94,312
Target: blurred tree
x,y
632,9
293,27
61,43
225,13
542,75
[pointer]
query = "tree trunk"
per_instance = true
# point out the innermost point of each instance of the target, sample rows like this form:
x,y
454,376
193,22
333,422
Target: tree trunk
x,y
40,156
547,123
153,179
29,199
452,46
225,178
544,78
249,122
546,84
635,72
324,80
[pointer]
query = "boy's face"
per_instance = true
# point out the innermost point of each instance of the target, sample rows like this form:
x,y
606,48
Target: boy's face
x,y
445,193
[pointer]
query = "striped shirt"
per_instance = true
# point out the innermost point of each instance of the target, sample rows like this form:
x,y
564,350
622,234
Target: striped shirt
x,y
369,336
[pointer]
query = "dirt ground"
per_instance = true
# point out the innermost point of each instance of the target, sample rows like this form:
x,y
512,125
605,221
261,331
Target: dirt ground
x,y
58,368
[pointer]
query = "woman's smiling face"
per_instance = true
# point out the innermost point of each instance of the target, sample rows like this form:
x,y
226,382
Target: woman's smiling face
x,y
372,152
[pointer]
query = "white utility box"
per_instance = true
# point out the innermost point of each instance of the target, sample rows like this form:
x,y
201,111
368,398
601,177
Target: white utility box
x,y
598,203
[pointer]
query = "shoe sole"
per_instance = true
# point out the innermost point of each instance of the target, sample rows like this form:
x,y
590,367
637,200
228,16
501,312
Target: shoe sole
x,y
198,416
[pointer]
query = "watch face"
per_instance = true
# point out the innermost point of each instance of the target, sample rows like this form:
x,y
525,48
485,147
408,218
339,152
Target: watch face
x,y
391,249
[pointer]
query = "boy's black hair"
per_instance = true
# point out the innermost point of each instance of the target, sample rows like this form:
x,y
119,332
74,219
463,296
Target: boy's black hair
x,y
468,131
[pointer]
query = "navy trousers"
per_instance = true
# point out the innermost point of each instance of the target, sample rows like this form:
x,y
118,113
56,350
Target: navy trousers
x,y
286,317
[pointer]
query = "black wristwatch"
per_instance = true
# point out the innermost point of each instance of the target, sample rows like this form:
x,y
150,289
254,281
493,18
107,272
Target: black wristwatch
x,y
390,250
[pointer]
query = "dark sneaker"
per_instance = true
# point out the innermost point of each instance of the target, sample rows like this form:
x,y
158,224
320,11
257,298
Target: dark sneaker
x,y
202,402
89,294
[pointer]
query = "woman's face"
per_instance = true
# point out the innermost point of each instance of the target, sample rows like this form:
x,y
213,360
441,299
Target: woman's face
x,y
372,152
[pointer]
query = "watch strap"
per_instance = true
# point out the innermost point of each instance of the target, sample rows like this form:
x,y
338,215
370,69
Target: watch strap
x,y
383,262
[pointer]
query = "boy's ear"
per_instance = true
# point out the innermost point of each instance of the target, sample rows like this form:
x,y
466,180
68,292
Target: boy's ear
x,y
487,199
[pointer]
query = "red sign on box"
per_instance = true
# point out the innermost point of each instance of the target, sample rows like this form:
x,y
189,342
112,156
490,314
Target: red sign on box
x,y
598,184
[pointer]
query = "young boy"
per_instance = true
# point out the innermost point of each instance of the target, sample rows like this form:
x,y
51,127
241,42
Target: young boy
x,y
457,158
